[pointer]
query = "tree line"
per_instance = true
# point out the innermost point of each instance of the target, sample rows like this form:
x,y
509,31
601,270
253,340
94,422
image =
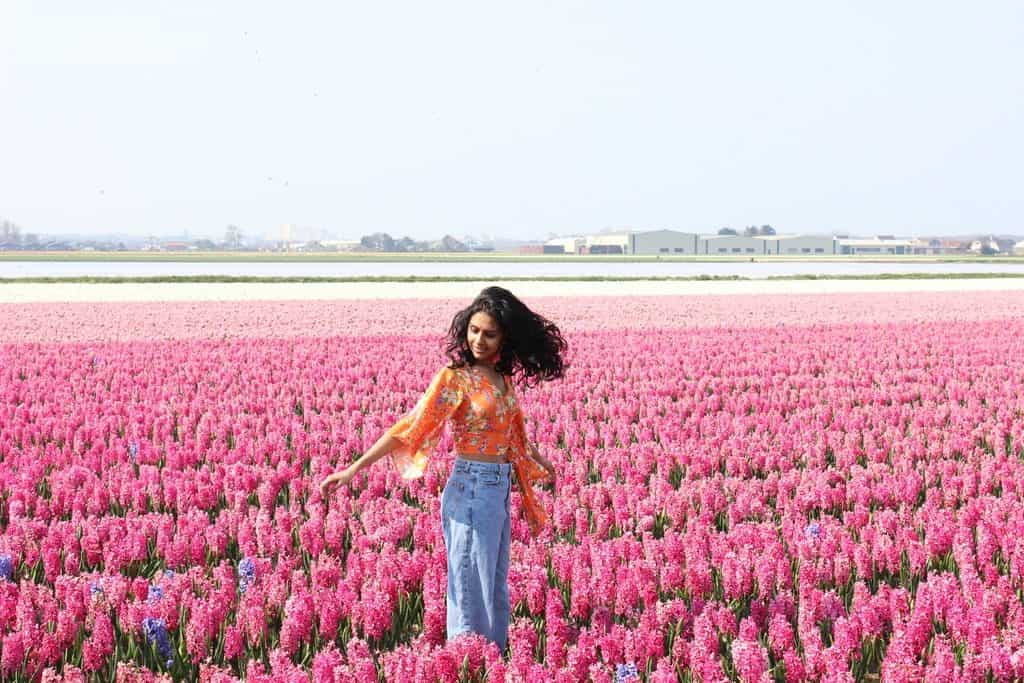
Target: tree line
x,y
381,241
749,231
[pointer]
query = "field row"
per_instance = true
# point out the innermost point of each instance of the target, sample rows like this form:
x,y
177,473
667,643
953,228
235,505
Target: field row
x,y
825,502
129,321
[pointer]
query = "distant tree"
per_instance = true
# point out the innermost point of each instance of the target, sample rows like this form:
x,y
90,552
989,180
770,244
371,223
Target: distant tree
x,y
751,231
988,250
767,230
405,244
31,241
378,241
728,231
206,245
232,237
449,243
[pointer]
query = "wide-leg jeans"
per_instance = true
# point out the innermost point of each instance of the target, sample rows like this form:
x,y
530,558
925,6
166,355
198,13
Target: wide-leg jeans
x,y
477,531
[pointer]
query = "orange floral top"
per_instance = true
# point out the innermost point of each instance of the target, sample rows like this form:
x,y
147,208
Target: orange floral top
x,y
485,421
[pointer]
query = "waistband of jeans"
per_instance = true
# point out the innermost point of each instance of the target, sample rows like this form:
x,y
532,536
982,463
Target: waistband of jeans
x,y
475,466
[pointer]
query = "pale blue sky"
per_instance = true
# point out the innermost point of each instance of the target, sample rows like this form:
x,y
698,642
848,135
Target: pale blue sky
x,y
513,119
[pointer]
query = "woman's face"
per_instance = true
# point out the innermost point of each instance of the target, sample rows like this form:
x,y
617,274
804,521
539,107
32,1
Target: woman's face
x,y
484,338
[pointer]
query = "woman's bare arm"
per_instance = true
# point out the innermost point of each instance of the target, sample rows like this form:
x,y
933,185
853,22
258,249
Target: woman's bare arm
x,y
384,445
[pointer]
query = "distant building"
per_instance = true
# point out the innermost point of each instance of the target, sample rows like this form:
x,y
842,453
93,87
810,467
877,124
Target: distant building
x,y
607,243
477,245
663,242
989,244
288,232
341,245
565,245
1005,245
881,245
733,245
675,242
798,245
926,247
1018,248
531,250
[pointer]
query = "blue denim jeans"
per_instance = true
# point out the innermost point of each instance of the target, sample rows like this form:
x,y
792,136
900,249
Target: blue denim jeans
x,y
477,533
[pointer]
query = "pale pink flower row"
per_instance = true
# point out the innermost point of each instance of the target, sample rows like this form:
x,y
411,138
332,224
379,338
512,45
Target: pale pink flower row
x,y
86,322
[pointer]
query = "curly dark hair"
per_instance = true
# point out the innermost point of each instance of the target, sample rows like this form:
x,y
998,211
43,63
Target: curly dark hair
x,y
531,347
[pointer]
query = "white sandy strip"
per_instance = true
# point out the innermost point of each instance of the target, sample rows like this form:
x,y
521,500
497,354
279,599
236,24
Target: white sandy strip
x,y
288,291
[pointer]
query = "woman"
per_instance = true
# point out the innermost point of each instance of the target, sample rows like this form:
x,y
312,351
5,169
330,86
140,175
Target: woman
x,y
493,342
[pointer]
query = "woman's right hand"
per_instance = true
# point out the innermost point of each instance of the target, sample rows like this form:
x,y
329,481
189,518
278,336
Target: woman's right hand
x,y
341,478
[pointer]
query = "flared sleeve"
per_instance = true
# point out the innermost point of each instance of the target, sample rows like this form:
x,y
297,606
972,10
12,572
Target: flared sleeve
x,y
531,471
419,430
527,472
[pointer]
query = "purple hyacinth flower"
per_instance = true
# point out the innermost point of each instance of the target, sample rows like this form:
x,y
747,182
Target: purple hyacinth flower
x,y
156,634
627,673
246,574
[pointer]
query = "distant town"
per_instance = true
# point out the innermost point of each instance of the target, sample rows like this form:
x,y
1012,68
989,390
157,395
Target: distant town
x,y
749,241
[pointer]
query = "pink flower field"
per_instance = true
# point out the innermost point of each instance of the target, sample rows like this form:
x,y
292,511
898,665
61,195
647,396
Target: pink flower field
x,y
769,488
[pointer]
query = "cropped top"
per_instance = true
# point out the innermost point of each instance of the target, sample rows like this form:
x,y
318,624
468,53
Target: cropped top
x,y
484,420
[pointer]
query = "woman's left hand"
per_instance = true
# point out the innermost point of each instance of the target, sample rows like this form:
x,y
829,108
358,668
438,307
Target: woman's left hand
x,y
543,462
551,472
